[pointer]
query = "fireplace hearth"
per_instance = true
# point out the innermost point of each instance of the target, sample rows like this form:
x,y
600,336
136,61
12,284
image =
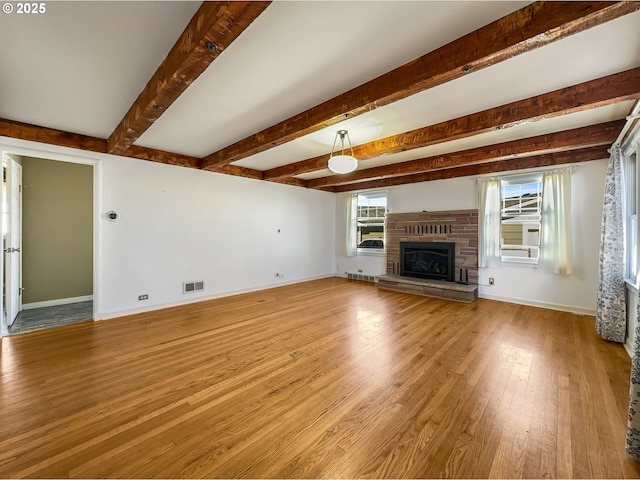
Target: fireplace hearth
x,y
428,260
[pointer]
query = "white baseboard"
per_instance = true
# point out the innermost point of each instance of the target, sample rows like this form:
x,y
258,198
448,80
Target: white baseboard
x,y
531,303
201,298
56,302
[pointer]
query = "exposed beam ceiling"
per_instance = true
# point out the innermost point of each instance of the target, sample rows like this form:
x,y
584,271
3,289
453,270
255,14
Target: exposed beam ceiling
x,y
592,135
211,30
557,158
595,93
511,40
536,25
34,133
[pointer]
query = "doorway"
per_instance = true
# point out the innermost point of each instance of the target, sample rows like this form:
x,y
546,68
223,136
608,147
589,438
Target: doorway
x,y
48,249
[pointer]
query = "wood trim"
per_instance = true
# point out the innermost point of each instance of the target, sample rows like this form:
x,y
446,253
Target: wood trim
x,y
160,156
51,136
557,158
34,133
239,171
584,96
211,30
255,174
297,182
531,27
592,135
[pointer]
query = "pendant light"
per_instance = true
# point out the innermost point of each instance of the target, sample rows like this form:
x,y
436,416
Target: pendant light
x,y
342,163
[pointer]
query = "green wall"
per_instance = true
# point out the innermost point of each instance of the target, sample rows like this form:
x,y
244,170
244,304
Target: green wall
x,y
57,230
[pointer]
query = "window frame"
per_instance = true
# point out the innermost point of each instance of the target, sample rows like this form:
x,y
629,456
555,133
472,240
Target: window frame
x,y
511,180
631,182
370,250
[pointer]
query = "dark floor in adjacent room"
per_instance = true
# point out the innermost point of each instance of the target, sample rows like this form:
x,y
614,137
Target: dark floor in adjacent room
x,y
48,317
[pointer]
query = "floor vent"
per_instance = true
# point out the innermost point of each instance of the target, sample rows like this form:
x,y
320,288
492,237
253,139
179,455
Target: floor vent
x,y
296,354
358,276
190,287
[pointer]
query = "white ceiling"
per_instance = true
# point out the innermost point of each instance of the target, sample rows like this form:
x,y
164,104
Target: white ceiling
x,y
80,66
299,54
591,54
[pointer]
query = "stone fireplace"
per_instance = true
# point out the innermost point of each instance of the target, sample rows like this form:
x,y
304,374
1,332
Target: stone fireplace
x,y
455,231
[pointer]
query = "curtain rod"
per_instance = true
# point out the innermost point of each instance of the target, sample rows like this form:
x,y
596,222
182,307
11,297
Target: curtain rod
x,y
634,115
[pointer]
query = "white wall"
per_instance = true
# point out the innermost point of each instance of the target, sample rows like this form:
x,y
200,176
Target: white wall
x,y
576,292
513,283
178,224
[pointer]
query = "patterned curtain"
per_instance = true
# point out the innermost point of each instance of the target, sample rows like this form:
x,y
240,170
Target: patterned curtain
x,y
611,315
633,430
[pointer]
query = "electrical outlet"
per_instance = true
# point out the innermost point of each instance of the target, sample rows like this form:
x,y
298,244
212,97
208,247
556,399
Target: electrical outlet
x,y
490,280
143,297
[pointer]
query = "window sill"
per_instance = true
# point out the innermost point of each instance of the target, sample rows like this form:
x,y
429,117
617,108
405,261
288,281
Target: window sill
x,y
371,252
522,262
631,286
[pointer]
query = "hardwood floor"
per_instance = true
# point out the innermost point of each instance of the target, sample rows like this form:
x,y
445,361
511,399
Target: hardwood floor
x,y
387,385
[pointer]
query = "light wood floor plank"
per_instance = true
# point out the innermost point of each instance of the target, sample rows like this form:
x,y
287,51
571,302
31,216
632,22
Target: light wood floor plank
x,y
388,385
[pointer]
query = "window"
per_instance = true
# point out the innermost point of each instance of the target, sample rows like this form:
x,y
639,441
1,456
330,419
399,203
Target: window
x,y
520,217
370,218
631,216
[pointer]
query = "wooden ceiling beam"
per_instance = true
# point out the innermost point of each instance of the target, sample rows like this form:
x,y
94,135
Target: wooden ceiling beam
x,y
584,96
531,27
211,30
547,160
245,172
592,135
297,182
239,171
50,136
161,156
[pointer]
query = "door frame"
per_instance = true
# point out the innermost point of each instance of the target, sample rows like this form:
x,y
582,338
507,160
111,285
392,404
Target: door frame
x,y
64,154
9,266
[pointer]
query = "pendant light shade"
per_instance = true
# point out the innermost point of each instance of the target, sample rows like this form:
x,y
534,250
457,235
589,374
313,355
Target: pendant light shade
x,y
342,163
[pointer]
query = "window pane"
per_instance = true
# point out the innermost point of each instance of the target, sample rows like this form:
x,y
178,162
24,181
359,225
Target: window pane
x,y
633,250
630,202
520,229
370,222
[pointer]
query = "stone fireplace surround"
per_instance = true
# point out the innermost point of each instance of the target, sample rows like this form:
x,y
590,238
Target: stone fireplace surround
x,y
458,226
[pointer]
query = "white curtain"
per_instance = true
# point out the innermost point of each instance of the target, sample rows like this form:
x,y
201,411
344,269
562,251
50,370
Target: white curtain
x,y
352,214
555,241
489,221
611,314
